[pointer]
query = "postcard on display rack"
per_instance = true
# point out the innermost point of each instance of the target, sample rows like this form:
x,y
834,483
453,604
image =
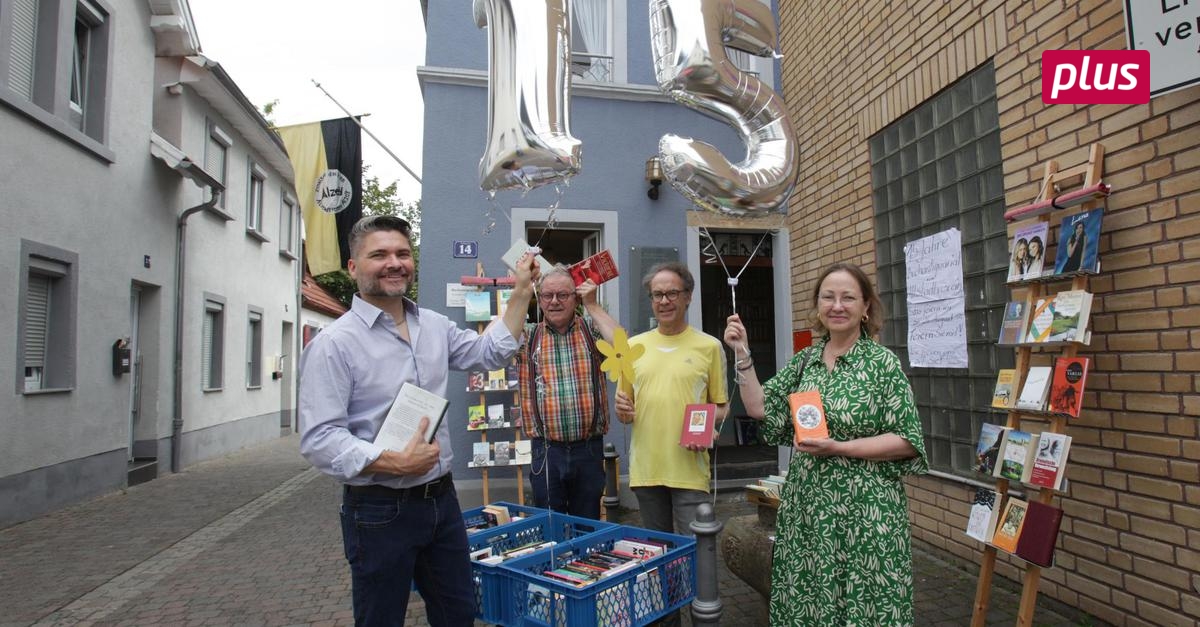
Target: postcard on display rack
x,y
698,422
502,298
808,415
476,418
1039,533
1062,317
985,511
404,417
502,453
1008,531
1003,397
1014,323
1035,389
478,306
475,380
600,267
1066,388
1016,450
987,450
1079,243
496,379
481,453
1027,251
1049,460
495,415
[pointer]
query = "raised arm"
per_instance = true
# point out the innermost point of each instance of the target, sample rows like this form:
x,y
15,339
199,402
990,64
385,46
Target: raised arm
x,y
602,321
747,379
518,305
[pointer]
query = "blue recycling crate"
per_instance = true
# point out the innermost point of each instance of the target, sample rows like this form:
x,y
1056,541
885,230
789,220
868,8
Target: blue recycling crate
x,y
659,585
542,527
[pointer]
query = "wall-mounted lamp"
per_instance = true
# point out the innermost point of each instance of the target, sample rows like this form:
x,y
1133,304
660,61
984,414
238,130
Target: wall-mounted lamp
x,y
654,176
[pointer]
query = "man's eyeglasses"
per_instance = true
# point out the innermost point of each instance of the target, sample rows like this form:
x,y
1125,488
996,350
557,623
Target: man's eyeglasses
x,y
670,295
559,296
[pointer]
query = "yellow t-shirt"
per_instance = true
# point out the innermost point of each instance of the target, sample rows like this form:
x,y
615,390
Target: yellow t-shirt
x,y
675,370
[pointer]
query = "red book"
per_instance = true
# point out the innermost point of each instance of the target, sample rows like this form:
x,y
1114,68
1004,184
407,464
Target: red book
x,y
698,423
1066,388
600,267
1039,533
808,415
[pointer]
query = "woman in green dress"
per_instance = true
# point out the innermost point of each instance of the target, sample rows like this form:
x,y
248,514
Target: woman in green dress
x,y
842,554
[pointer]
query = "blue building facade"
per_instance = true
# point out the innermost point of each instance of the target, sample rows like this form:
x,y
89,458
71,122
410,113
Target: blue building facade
x,y
619,114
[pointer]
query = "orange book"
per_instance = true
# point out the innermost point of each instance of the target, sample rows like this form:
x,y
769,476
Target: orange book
x,y
1011,523
808,415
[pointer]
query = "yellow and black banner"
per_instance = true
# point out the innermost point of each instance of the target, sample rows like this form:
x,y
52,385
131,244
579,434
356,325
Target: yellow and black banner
x,y
327,159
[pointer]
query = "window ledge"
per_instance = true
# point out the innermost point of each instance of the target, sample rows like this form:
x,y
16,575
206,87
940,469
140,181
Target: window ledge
x,y
287,254
220,212
207,390
256,235
44,391
57,125
254,387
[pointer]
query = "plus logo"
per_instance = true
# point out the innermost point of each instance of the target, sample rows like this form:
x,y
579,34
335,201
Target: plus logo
x,y
1096,76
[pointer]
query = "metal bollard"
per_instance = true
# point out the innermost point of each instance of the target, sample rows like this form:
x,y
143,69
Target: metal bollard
x,y
707,608
612,477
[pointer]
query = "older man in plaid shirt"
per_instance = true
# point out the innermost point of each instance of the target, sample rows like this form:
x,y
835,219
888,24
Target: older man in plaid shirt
x,y
564,397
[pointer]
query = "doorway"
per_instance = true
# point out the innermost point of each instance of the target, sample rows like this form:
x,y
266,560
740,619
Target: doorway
x,y
287,405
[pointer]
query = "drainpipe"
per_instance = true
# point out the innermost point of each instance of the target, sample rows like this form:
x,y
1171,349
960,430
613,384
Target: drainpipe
x,y
180,261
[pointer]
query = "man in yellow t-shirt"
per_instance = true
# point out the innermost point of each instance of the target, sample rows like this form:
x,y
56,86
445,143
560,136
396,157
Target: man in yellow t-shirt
x,y
681,365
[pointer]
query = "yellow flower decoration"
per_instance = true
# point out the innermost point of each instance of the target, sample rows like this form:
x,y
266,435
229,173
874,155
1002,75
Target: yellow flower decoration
x,y
618,359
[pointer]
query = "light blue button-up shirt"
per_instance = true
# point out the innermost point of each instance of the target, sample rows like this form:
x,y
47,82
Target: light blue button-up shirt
x,y
350,374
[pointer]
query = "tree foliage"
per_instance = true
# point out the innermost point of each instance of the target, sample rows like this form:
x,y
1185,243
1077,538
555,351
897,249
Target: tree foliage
x,y
377,200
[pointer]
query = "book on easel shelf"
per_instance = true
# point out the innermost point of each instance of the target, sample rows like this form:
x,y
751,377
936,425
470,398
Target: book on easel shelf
x,y
987,449
1027,251
1062,317
808,415
502,453
476,418
495,416
1079,243
985,512
1016,451
481,453
475,381
1003,397
1039,533
1049,460
1066,388
478,306
1035,388
1014,323
1008,531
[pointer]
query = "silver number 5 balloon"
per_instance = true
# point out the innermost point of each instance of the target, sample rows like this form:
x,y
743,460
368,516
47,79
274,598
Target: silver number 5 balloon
x,y
529,140
688,38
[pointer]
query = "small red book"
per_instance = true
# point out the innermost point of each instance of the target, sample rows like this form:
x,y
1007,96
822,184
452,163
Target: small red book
x,y
698,423
1066,388
1039,533
600,267
808,415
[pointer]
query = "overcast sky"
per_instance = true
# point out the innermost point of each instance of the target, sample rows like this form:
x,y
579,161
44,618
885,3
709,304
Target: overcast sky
x,y
363,52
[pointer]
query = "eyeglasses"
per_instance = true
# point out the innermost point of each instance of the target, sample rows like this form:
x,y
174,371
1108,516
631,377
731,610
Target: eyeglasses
x,y
670,295
559,296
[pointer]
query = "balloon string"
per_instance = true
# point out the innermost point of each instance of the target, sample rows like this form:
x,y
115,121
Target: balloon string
x,y
733,279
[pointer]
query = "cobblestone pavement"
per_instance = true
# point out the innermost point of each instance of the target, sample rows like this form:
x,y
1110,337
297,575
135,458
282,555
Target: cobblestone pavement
x,y
253,539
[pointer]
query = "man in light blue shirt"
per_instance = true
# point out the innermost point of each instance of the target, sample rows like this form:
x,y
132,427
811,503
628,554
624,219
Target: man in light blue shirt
x,y
401,521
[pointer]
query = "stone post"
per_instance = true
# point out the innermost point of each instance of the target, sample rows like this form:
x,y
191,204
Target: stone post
x,y
706,609
612,476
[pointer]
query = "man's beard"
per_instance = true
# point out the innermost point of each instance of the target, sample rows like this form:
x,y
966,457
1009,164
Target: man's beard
x,y
374,287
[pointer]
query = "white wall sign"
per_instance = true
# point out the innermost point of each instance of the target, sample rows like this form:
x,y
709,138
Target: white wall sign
x,y
1170,30
456,294
937,324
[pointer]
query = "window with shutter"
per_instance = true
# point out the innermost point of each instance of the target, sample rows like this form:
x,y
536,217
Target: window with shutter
x,y
254,364
212,346
22,47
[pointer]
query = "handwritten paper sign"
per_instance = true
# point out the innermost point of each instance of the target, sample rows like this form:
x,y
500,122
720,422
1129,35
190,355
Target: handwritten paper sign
x,y
456,294
937,323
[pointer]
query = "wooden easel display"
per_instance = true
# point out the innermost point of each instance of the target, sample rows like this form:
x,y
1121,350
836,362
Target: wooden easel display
x,y
1087,190
484,283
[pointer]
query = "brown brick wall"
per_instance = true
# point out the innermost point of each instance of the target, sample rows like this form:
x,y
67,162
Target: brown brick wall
x,y
1129,548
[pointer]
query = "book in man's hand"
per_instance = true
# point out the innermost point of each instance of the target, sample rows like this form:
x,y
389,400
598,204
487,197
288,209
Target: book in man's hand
x,y
402,420
698,422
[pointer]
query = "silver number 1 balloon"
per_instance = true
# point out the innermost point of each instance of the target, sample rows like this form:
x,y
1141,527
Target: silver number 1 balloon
x,y
688,38
529,141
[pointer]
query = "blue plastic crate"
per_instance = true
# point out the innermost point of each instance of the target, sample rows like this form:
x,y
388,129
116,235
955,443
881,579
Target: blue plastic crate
x,y
474,517
544,527
634,597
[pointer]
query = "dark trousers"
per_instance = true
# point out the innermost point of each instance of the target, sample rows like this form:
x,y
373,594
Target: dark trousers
x,y
568,476
395,538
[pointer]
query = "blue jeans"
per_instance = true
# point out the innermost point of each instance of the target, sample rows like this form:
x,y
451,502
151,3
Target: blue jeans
x,y
568,476
392,541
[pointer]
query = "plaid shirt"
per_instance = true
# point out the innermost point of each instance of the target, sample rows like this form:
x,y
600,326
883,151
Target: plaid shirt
x,y
570,377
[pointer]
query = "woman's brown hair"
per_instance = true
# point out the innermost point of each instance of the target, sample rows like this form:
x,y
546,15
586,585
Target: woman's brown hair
x,y
874,322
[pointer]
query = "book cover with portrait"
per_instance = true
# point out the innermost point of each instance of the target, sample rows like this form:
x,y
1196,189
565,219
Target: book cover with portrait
x,y
1027,251
1079,243
808,415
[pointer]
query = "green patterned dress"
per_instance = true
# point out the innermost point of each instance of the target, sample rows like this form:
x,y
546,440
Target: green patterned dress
x,y
842,554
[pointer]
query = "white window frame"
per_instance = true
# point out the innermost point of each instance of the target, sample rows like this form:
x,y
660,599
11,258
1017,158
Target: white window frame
x,y
615,34
254,348
212,343
256,189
